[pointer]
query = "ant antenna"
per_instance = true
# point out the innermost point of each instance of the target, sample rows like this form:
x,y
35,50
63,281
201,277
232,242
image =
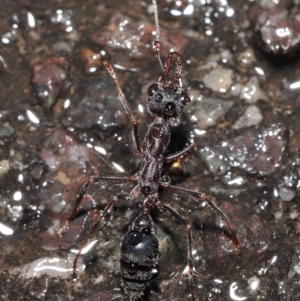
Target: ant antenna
x,y
156,44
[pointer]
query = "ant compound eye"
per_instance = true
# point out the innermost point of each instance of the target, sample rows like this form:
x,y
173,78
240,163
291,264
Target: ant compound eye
x,y
185,99
135,238
158,98
152,89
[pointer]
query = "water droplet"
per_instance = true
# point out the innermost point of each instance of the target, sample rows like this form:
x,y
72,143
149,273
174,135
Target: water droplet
x,y
165,181
102,184
176,196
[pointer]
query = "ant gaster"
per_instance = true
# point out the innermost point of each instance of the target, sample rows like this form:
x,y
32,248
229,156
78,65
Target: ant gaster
x,y
139,246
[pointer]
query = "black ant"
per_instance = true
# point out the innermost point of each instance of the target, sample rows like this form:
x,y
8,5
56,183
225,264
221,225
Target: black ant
x,y
139,246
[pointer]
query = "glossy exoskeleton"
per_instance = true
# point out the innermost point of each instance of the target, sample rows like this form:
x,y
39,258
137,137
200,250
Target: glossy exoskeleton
x,y
138,256
139,246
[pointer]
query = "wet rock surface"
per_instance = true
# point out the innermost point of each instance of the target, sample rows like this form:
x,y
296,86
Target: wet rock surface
x,y
258,153
61,122
277,29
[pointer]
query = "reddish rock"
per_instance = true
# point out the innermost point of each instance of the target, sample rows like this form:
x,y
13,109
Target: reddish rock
x,y
48,79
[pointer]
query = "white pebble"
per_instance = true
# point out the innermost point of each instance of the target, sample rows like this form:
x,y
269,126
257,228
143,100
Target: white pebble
x,y
277,215
218,80
254,283
4,168
286,194
251,91
251,117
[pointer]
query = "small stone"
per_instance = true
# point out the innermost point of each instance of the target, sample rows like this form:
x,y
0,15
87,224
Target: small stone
x,y
6,131
62,17
38,288
219,79
71,153
94,105
257,152
92,60
251,91
15,212
267,3
278,31
251,117
277,215
286,194
247,57
48,79
4,168
61,47
37,172
295,265
254,284
294,214
135,37
207,111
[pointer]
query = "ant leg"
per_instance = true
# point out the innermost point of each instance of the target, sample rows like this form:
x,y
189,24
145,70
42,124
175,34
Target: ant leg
x,y
91,233
178,74
181,154
156,46
190,268
81,194
125,105
203,197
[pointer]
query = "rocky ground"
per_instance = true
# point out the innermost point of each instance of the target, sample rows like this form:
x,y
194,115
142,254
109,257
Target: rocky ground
x,y
61,122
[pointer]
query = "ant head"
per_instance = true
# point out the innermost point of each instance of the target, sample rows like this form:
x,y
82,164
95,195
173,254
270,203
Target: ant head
x,y
167,100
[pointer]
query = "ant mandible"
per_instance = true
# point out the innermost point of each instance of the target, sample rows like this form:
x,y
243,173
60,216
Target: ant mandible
x,y
139,250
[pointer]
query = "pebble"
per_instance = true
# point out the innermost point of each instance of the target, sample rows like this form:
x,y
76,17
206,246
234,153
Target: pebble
x,y
254,284
278,31
48,79
295,265
219,79
286,194
4,168
257,152
6,131
207,111
251,117
38,288
251,91
91,59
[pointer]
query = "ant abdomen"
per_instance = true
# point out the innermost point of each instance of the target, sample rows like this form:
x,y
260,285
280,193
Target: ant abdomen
x,y
139,258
